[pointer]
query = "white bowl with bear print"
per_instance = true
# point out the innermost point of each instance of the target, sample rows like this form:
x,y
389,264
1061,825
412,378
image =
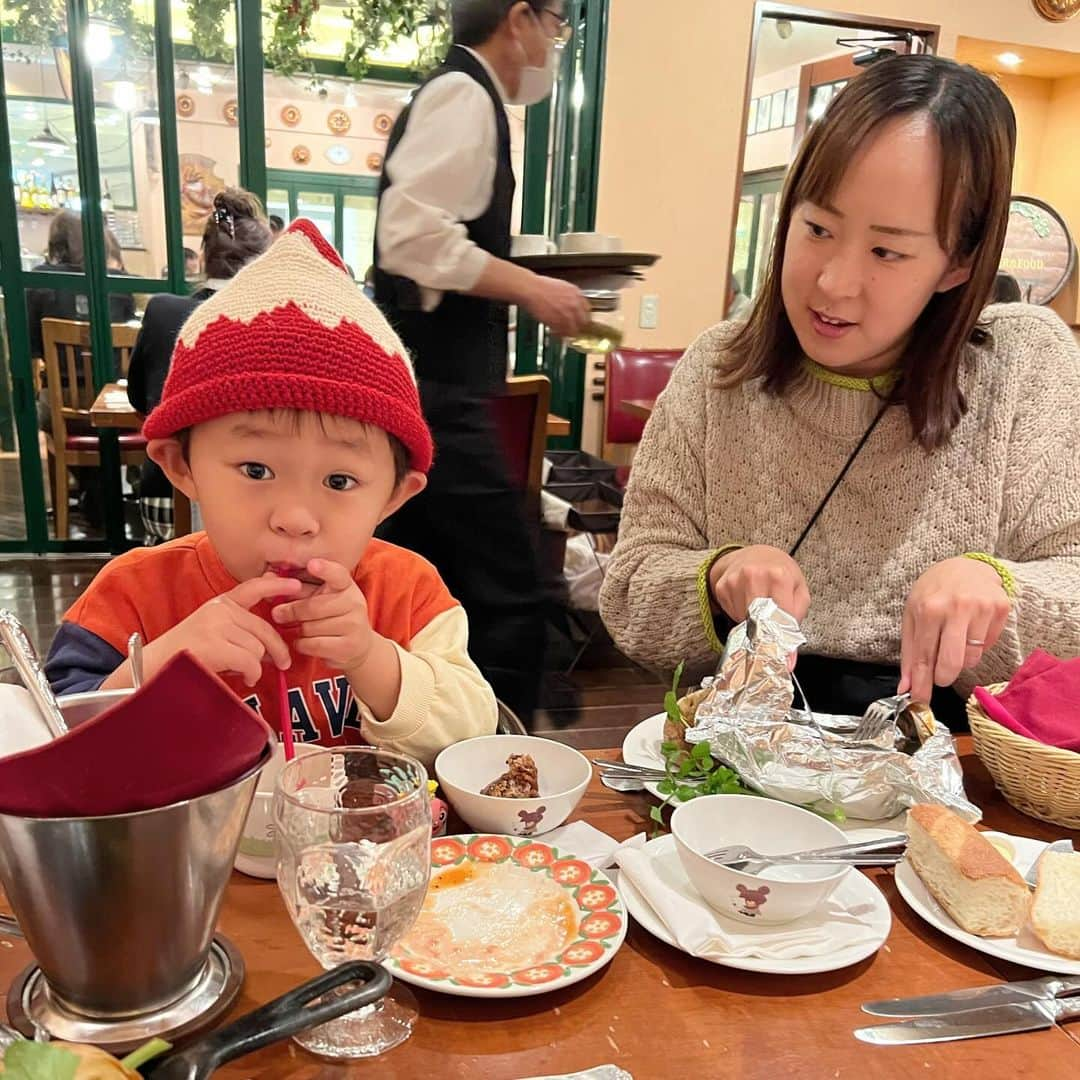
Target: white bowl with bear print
x,y
562,775
778,894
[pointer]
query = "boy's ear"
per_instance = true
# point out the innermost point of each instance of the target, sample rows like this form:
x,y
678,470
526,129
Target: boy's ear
x,y
169,454
412,483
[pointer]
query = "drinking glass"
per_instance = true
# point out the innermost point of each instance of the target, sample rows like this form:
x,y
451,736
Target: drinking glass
x,y
353,845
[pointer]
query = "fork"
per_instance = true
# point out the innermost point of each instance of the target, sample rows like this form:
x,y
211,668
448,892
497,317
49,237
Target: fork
x,y
877,719
741,853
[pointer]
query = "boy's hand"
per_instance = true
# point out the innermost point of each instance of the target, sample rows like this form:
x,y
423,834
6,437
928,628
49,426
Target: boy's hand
x,y
333,620
224,634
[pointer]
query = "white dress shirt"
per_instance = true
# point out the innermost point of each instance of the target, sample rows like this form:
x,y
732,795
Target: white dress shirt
x,y
442,173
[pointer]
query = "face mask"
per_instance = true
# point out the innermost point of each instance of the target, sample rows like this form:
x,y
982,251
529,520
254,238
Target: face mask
x,y
536,82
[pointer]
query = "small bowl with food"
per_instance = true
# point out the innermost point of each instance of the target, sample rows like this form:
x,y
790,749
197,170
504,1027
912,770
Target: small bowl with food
x,y
777,894
517,784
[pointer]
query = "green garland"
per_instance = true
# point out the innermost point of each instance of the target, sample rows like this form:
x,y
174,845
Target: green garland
x,y
207,21
377,24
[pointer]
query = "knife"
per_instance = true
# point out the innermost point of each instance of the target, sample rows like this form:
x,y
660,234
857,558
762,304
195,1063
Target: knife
x,y
979,997
1000,1020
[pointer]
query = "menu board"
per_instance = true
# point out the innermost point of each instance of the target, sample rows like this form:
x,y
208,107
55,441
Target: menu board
x,y
1039,252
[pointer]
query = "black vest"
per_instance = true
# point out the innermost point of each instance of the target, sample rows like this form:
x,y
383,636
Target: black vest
x,y
463,341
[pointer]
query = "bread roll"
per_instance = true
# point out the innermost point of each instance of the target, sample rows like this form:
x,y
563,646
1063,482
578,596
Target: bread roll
x,y
967,876
1055,915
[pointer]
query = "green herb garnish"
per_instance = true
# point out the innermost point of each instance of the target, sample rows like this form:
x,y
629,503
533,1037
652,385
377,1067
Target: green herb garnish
x,y
26,1060
145,1053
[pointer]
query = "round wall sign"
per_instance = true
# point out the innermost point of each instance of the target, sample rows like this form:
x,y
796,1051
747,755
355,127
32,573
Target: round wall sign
x,y
1039,252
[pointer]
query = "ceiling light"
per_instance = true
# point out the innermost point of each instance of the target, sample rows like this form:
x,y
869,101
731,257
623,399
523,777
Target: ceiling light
x,y
45,139
1009,59
38,162
98,41
123,95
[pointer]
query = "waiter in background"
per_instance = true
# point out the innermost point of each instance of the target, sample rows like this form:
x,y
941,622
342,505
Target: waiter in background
x,y
443,279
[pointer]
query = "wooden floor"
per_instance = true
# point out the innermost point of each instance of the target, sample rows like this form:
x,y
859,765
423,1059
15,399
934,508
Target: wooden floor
x,y
594,706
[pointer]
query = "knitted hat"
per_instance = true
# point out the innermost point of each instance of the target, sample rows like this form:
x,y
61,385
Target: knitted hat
x,y
293,331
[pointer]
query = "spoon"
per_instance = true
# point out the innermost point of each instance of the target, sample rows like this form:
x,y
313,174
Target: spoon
x,y
25,658
135,658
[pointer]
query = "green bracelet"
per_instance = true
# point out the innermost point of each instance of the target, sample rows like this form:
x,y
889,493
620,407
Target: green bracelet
x,y
705,596
1008,582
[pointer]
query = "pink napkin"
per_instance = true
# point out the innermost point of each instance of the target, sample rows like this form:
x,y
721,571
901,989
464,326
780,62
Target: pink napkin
x,y
1041,702
183,734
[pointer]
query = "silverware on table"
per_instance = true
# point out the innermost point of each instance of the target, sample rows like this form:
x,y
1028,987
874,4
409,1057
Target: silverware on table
x,y
1034,1015
135,644
736,853
977,997
25,658
1032,875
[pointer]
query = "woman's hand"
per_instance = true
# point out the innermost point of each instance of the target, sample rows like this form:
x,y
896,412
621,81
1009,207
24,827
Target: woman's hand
x,y
747,573
955,612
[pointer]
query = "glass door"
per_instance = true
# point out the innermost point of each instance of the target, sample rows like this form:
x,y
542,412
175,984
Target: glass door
x,y
342,208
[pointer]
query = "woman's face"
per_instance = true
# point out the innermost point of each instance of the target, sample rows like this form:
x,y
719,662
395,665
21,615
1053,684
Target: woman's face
x,y
858,272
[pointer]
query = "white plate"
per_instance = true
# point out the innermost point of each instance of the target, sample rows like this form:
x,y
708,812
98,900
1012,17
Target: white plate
x,y
855,889
1024,948
519,875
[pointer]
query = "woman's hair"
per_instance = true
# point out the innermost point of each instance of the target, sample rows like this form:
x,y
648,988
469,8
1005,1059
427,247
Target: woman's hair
x,y
236,231
65,239
976,128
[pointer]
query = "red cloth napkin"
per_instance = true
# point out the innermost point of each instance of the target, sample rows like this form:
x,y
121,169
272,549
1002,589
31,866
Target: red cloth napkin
x,y
1041,702
183,734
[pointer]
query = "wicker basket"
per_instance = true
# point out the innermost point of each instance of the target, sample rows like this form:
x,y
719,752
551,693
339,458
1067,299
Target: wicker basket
x,y
1040,781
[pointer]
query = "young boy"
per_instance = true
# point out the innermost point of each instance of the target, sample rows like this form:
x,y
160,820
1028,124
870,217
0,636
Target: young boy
x,y
291,416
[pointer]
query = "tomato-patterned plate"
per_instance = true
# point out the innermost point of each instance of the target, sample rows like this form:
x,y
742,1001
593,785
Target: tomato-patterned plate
x,y
506,916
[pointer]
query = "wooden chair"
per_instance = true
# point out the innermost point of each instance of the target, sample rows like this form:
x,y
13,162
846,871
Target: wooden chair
x,y
70,382
520,414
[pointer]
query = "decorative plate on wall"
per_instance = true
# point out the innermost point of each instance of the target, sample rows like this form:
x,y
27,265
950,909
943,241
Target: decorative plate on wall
x,y
185,106
301,155
338,121
1057,10
228,110
290,116
374,162
383,123
338,154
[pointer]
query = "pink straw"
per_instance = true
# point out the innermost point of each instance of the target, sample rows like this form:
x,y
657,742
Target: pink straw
x,y
286,716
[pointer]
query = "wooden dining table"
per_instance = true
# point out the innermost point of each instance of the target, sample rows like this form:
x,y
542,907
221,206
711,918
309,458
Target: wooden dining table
x,y
642,408
655,1011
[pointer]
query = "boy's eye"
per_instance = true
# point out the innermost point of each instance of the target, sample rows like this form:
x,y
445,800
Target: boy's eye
x,y
254,471
340,482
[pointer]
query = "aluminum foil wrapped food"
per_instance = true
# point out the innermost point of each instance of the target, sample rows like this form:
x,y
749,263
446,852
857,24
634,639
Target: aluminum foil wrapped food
x,y
811,759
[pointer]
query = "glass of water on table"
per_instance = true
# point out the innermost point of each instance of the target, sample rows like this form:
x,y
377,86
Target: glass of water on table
x,y
353,840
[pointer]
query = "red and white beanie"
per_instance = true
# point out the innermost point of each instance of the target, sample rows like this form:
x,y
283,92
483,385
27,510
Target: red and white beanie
x,y
293,331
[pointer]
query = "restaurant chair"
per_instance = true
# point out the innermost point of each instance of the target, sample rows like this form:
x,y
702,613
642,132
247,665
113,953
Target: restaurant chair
x,y
520,413
631,374
69,378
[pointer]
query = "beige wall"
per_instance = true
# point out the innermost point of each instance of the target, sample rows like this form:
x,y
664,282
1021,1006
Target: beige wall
x,y
1031,102
674,105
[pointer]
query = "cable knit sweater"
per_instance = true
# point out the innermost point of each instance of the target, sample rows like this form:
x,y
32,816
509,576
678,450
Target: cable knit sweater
x,y
719,466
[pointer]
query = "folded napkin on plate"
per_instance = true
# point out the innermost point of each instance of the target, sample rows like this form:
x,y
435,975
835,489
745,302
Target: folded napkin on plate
x,y
22,727
1041,702
700,931
183,734
587,843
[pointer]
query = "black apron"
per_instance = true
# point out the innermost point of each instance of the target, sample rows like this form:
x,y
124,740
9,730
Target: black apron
x,y
469,520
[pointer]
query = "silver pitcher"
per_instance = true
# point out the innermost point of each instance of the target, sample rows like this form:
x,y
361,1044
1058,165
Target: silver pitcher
x,y
120,911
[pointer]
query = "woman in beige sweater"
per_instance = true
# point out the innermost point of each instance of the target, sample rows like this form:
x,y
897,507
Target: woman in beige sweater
x,y
950,548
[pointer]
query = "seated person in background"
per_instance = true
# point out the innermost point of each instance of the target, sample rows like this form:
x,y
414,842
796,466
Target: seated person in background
x,y
890,463
1006,290
738,303
236,232
276,224
65,254
291,415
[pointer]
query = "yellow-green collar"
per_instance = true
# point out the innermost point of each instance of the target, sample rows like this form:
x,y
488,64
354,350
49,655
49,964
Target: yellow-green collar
x,y
882,383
